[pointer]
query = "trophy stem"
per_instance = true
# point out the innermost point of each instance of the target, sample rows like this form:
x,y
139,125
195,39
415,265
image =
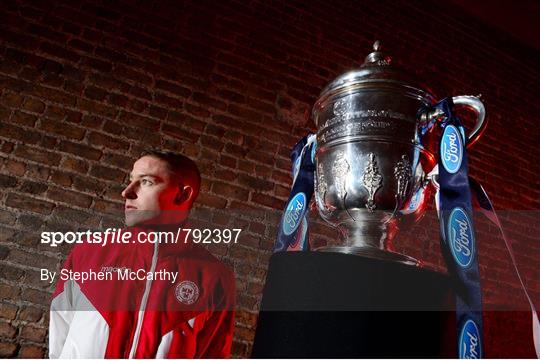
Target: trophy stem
x,y
371,240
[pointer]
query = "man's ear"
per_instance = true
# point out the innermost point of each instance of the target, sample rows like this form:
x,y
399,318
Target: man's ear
x,y
184,194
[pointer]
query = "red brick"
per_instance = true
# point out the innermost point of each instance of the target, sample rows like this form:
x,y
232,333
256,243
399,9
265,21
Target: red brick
x,y
245,254
48,142
246,318
81,150
4,252
8,311
34,105
209,102
18,133
114,192
59,97
235,150
282,191
61,128
69,197
197,111
37,297
189,122
268,201
6,235
32,352
282,177
112,127
254,183
30,314
244,206
106,141
61,178
120,161
240,349
211,201
7,217
107,173
133,75
173,88
10,272
214,130
12,99
247,302
97,108
212,143
32,187
157,112
109,207
246,166
7,147
27,257
139,121
179,133
7,181
151,138
9,291
263,171
191,150
227,161
73,164
38,155
38,172
22,118
248,240
32,333
230,191
226,175
80,45
8,350
55,112
90,121
30,204
58,51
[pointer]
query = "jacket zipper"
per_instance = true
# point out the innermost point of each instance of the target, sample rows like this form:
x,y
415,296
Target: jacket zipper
x,y
142,308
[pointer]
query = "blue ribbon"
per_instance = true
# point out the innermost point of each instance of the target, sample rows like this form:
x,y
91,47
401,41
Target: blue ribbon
x,y
458,241
293,228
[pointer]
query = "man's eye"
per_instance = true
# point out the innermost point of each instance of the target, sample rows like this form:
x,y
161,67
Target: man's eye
x,y
146,182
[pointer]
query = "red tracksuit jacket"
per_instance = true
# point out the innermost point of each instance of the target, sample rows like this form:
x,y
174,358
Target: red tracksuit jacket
x,y
148,318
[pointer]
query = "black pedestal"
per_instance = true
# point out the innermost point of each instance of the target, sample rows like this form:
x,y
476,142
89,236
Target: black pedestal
x,y
329,305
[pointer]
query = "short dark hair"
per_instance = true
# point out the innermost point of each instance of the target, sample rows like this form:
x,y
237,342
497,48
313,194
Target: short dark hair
x,y
182,166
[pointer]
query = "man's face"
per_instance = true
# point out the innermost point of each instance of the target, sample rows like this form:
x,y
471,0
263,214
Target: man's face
x,y
153,196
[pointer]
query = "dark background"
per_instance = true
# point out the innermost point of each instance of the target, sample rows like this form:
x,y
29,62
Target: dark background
x,y
85,86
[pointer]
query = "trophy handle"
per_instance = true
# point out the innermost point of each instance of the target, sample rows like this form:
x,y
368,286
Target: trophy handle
x,y
478,107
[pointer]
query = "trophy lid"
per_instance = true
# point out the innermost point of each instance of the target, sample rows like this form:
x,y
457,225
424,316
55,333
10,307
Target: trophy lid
x,y
376,73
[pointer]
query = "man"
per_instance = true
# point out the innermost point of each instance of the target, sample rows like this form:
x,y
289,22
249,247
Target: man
x,y
156,316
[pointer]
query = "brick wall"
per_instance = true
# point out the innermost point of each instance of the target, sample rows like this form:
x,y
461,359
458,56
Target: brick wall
x,y
85,86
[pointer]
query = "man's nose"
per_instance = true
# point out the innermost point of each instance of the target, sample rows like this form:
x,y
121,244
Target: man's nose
x,y
129,192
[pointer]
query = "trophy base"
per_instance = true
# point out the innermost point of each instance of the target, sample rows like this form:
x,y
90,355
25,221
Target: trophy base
x,y
330,305
372,253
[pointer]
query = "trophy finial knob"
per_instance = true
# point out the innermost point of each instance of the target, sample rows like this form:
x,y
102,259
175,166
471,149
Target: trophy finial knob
x,y
376,58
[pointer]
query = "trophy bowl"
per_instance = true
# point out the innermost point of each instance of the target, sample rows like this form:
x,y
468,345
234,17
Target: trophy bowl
x,y
377,139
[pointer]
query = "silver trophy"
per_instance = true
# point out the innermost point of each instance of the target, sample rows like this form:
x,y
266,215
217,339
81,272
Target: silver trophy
x,y
377,141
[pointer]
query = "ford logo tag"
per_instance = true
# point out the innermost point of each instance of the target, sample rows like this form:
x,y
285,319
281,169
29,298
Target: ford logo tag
x,y
451,149
293,213
461,237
